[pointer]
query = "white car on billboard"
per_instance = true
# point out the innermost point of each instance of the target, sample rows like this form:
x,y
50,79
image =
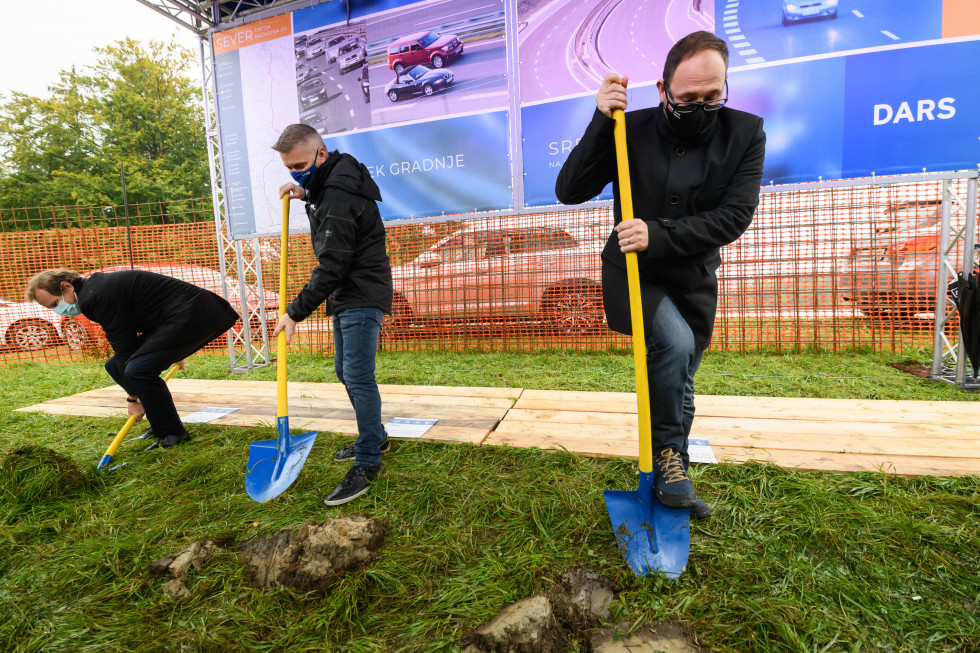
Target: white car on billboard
x,y
352,55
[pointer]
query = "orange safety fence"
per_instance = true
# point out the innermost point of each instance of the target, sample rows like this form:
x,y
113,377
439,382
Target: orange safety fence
x,y
825,269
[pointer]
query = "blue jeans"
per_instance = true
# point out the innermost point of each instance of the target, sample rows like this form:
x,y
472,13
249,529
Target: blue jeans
x,y
672,361
355,336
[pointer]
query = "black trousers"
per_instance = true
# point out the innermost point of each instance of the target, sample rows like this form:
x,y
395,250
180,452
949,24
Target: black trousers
x,y
142,378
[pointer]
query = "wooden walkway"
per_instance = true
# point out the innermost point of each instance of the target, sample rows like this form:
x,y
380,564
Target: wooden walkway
x,y
901,437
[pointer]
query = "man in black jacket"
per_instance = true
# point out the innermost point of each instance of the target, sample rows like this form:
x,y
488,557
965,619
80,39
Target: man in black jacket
x,y
151,321
353,276
695,172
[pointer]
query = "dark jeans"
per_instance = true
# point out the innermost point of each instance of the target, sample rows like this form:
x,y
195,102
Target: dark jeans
x,y
355,335
672,361
142,378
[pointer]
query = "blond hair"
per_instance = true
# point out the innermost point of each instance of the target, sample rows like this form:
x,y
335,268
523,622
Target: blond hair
x,y
49,281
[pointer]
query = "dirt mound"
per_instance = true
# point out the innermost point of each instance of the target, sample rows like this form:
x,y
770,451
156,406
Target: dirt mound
x,y
309,560
31,472
555,621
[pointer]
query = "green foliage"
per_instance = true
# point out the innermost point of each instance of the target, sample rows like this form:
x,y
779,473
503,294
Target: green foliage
x,y
791,561
135,108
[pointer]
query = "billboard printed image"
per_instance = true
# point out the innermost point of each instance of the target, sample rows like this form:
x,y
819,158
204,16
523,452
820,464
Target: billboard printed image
x,y
422,91
331,100
758,32
566,47
437,59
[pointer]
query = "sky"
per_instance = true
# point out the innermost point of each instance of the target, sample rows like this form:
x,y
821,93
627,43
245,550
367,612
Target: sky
x,y
53,35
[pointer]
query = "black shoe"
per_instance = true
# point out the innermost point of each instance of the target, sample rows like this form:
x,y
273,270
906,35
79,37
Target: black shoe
x,y
700,511
147,434
674,488
169,441
356,483
349,452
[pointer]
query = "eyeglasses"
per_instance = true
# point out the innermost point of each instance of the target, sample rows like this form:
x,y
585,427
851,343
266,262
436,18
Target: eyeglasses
x,y
688,107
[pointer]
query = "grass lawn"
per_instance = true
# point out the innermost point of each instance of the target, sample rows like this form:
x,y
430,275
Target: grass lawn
x,y
791,561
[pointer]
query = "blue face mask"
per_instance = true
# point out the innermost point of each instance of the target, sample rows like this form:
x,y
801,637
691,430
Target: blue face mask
x,y
303,177
67,310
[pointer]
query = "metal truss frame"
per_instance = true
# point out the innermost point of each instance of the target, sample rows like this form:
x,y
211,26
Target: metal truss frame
x,y
248,347
958,254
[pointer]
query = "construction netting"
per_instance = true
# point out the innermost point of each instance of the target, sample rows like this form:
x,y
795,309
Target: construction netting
x,y
819,269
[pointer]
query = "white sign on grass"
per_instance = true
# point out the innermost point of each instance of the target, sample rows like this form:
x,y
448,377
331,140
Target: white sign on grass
x,y
208,414
700,451
403,427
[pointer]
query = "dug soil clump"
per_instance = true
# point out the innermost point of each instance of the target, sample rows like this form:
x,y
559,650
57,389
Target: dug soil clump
x,y
309,560
567,618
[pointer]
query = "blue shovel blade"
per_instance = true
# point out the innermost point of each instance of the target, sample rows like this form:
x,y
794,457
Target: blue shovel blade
x,y
651,537
273,465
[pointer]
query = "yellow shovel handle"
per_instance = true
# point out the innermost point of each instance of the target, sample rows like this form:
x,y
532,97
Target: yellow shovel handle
x,y
111,451
282,407
636,304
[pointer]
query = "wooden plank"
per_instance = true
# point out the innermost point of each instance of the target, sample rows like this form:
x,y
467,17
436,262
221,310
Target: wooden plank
x,y
187,403
723,434
846,410
849,462
756,426
438,432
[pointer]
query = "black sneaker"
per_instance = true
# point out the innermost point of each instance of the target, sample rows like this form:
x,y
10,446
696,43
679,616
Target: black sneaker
x,y
349,452
356,483
700,511
169,441
674,488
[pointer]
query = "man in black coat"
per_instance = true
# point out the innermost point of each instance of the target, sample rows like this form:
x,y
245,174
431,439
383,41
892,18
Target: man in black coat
x,y
353,277
695,172
151,321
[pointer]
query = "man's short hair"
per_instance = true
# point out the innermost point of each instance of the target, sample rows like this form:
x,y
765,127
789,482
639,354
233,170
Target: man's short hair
x,y
294,135
689,46
49,281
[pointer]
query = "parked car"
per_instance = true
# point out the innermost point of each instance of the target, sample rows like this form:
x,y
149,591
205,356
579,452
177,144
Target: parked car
x,y
28,326
334,45
80,332
312,92
314,49
796,10
315,119
891,272
419,80
427,48
495,270
351,55
302,71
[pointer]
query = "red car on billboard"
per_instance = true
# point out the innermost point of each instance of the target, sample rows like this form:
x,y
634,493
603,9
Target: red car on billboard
x,y
426,48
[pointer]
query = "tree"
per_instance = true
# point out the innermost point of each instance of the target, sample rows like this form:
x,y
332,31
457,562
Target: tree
x,y
136,107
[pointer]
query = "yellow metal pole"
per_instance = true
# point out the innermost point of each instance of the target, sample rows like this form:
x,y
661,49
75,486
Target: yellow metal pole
x,y
282,407
636,304
114,445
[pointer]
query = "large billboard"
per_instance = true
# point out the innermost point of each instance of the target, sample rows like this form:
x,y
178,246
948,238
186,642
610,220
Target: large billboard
x,y
471,106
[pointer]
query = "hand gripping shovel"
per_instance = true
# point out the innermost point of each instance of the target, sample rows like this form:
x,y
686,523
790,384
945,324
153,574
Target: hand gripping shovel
x,y
116,441
273,465
651,537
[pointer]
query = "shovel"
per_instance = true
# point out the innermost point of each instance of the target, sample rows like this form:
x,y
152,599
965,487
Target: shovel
x,y
651,537
273,465
116,441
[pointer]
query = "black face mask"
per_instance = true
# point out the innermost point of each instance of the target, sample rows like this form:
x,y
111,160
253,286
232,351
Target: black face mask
x,y
689,125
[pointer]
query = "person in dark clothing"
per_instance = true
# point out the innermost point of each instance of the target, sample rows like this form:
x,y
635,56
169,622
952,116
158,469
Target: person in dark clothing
x,y
695,172
353,277
151,321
